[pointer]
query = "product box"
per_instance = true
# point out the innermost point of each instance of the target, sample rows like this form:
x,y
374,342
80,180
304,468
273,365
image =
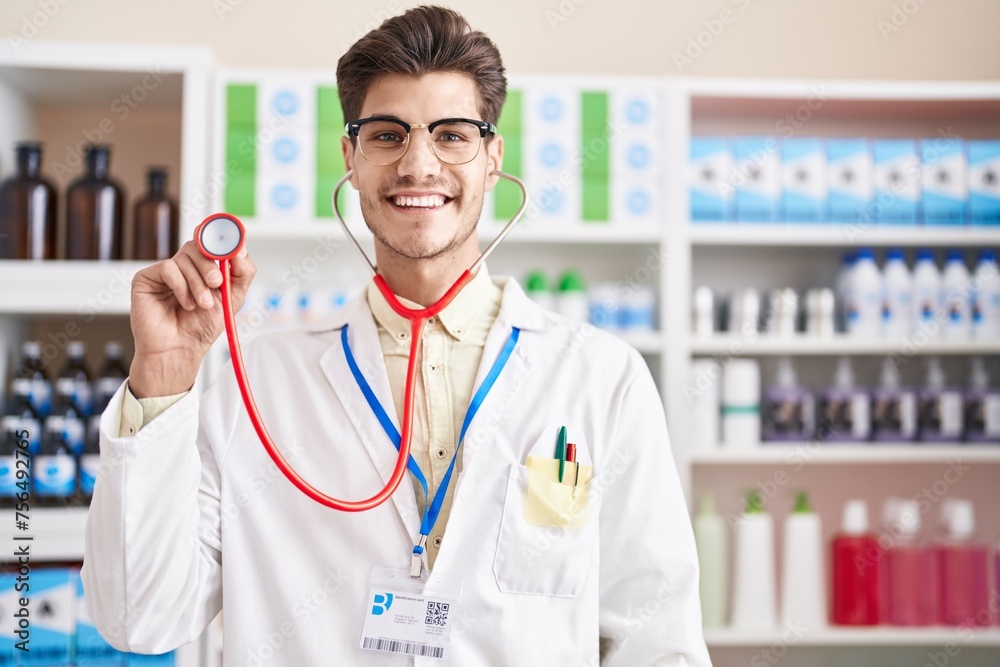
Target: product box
x,y
758,178
849,169
8,622
945,181
635,155
550,136
53,616
710,172
803,180
897,181
984,182
90,647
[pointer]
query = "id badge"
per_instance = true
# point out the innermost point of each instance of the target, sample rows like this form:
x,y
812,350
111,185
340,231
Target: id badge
x,y
408,616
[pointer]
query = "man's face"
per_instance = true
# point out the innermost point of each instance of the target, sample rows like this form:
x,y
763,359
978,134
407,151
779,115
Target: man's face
x,y
420,207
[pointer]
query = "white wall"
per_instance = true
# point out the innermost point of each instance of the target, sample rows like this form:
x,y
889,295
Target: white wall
x,y
935,39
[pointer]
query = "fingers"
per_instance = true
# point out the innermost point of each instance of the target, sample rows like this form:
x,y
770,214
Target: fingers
x,y
241,273
191,277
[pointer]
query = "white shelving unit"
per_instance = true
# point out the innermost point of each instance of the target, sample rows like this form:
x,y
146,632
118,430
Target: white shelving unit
x,y
67,94
735,255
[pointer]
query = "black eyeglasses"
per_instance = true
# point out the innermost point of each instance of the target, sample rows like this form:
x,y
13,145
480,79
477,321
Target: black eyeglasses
x,y
453,140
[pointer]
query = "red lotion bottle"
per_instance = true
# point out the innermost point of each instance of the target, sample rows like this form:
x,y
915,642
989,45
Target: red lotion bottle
x,y
856,556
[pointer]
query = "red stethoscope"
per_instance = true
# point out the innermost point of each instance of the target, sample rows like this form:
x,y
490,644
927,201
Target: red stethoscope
x,y
221,237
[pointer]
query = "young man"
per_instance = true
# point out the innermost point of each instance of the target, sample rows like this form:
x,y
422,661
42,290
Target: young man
x,y
549,574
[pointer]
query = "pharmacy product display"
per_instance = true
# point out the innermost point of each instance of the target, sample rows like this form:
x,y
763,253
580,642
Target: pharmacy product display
x,y
888,182
556,139
871,303
897,575
95,222
611,306
27,209
730,398
62,630
59,418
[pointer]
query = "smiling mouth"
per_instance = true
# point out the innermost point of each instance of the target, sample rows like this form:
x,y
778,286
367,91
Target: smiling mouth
x,y
422,203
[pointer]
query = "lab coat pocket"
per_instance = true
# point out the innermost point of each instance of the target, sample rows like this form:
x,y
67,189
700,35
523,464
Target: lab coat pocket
x,y
551,559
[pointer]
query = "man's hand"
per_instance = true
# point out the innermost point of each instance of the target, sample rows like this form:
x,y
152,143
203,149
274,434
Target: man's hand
x,y
176,316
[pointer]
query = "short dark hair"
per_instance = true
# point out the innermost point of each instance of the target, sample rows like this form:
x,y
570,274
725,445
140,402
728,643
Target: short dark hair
x,y
423,40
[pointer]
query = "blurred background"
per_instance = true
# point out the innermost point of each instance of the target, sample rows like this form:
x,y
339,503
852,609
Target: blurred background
x,y
792,210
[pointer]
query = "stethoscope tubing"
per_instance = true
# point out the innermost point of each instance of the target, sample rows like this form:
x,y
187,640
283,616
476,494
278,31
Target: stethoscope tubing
x,y
417,318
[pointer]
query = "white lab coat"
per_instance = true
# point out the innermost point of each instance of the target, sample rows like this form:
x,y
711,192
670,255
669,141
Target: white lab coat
x,y
190,515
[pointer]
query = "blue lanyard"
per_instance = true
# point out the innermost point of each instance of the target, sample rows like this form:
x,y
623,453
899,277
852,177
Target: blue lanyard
x,y
432,510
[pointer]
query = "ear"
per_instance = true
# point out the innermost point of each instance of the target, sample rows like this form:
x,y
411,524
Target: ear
x,y
494,161
348,149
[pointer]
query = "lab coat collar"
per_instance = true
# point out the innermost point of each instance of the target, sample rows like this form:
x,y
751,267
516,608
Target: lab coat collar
x,y
516,310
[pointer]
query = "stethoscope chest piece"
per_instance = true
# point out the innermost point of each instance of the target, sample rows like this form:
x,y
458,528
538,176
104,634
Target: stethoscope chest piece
x,y
220,236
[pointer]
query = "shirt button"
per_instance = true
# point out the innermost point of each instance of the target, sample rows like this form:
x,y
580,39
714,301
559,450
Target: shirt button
x,y
441,452
433,367
431,321
131,429
437,541
402,335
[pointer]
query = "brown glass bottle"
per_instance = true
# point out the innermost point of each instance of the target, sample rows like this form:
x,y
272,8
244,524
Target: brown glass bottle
x,y
94,211
156,231
27,209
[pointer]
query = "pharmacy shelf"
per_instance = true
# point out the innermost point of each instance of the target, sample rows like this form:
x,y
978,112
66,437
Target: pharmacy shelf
x,y
839,235
56,532
801,453
646,342
740,346
61,287
878,636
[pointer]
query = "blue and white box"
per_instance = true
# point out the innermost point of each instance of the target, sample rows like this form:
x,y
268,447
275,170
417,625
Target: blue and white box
x,y
710,172
91,648
897,182
803,180
9,606
849,169
946,181
758,179
53,617
984,182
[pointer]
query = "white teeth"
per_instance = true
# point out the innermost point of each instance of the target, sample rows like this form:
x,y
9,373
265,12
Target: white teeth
x,y
427,201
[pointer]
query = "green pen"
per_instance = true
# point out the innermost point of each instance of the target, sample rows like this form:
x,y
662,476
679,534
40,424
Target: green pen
x,y
561,451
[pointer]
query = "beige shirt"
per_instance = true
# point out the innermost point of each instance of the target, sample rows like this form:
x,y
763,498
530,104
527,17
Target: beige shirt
x,y
451,349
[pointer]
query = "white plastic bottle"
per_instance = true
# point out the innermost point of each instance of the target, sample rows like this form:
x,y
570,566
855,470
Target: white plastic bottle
x,y
864,297
572,300
897,296
926,291
711,536
754,589
841,287
955,285
803,581
986,298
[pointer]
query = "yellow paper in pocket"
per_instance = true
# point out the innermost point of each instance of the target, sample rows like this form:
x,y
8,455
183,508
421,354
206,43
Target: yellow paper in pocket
x,y
549,503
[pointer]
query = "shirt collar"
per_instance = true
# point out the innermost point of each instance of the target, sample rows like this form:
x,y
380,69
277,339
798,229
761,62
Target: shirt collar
x,y
479,297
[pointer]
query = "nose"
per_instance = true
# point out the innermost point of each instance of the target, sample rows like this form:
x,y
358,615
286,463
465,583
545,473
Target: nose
x,y
419,161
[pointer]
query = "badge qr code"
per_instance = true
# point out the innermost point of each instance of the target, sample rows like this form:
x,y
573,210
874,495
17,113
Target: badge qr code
x,y
437,613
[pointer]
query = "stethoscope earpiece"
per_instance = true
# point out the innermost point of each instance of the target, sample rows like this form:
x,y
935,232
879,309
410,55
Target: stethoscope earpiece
x,y
220,236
